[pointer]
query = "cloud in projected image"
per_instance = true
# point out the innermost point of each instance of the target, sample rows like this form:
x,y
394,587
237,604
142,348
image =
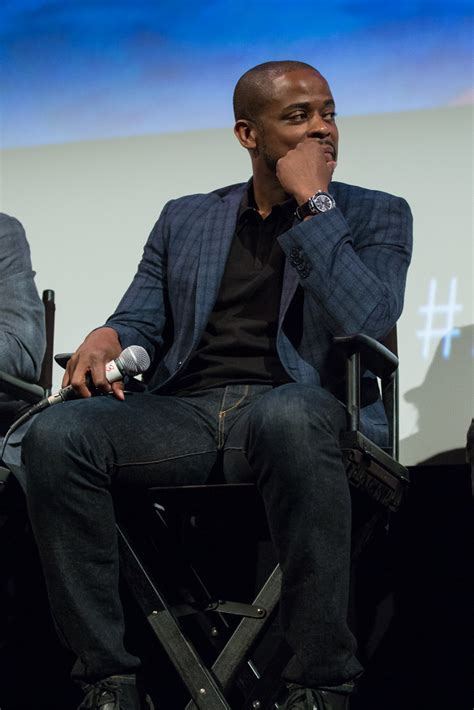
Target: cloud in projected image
x,y
84,70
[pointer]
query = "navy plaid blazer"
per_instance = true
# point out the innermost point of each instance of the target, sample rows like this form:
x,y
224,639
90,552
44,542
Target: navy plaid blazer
x,y
345,273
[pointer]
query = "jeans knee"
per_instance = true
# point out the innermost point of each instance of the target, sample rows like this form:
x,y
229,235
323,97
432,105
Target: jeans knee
x,y
293,447
289,410
47,431
55,438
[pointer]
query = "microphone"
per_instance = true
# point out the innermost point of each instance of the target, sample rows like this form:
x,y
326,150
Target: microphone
x,y
132,361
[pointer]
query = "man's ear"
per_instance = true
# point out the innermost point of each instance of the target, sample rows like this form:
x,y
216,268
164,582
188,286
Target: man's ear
x,y
246,133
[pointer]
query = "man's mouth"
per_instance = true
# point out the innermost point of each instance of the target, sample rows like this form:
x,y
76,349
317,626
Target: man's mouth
x,y
329,149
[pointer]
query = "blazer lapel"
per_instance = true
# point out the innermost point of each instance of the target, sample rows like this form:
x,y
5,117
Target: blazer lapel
x,y
218,231
289,285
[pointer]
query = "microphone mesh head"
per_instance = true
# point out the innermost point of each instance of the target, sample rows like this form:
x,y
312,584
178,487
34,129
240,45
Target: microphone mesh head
x,y
134,360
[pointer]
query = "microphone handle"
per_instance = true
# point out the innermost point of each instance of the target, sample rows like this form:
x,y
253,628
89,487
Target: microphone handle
x,y
113,372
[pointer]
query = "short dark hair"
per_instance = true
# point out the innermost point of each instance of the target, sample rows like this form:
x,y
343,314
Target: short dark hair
x,y
254,88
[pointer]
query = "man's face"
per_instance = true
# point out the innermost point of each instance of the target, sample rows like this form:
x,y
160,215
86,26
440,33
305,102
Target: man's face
x,y
301,108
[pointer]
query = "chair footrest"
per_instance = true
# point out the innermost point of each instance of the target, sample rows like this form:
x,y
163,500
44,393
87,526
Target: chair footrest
x,y
250,611
239,609
370,468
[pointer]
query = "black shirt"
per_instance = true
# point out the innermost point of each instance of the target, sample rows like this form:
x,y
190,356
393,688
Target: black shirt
x,y
239,343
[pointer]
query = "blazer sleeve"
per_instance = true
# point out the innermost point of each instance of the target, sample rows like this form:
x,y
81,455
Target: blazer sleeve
x,y
354,268
140,317
22,329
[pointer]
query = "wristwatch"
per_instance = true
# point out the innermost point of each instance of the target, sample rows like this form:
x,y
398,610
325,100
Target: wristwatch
x,y
320,202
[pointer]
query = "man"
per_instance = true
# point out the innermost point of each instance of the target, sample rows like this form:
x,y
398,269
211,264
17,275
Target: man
x,y
236,300
22,332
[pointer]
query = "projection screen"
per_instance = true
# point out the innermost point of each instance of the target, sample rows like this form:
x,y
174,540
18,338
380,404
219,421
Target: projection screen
x,y
111,109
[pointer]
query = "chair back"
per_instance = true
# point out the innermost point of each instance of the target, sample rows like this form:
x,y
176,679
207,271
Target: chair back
x,y
390,394
391,341
46,376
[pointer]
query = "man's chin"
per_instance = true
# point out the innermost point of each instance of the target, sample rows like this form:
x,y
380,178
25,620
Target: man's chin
x,y
332,165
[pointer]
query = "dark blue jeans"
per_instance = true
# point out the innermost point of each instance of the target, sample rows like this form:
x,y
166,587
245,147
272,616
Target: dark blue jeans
x,y
75,451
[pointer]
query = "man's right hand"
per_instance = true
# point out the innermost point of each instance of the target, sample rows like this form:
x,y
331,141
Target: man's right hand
x,y
306,168
100,347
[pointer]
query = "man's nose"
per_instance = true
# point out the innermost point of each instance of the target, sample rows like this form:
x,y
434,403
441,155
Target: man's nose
x,y
318,128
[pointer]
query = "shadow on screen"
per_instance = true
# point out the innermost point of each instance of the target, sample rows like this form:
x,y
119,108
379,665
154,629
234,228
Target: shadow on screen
x,y
445,404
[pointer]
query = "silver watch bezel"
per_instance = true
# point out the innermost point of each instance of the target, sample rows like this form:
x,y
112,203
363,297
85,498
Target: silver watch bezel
x,y
318,205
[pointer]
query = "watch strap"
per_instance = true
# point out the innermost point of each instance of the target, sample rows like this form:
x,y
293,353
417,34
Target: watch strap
x,y
304,210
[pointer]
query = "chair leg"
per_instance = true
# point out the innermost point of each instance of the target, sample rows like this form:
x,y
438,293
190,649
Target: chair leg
x,y
200,682
207,687
248,630
245,635
259,689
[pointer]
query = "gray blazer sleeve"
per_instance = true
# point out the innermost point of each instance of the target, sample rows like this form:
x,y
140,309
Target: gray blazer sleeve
x,y
22,330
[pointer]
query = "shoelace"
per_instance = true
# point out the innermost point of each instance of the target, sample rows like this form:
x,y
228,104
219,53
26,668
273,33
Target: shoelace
x,y
97,695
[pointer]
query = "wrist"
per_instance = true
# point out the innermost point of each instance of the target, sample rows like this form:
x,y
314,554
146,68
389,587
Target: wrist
x,y
104,331
106,339
302,196
317,203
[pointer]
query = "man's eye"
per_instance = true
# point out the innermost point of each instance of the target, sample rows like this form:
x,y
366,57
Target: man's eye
x,y
297,116
330,116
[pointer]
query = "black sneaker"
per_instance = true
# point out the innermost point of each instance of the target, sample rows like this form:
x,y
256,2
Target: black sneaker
x,y
117,692
300,698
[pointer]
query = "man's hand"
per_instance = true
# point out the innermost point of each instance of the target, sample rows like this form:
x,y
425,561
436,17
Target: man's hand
x,y
100,347
306,169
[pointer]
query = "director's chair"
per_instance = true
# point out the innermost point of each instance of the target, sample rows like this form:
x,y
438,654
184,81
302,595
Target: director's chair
x,y
211,638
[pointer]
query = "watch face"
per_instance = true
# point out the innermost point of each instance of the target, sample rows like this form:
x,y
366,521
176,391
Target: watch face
x,y
323,202
320,202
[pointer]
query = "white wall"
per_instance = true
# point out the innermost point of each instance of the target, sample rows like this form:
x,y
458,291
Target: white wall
x,y
88,207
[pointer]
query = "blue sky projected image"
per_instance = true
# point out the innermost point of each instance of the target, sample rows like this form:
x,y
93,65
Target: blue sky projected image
x,y
85,70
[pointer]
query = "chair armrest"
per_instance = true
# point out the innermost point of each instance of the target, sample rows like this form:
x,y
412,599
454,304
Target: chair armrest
x,y
362,353
20,389
374,356
62,359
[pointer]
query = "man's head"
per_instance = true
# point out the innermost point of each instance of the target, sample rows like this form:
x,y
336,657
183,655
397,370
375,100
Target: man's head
x,y
280,104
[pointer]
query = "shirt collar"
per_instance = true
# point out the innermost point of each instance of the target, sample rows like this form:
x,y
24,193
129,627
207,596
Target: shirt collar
x,y
248,205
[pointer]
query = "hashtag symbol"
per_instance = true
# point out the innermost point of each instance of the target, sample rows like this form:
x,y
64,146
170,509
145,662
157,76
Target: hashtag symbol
x,y
447,310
